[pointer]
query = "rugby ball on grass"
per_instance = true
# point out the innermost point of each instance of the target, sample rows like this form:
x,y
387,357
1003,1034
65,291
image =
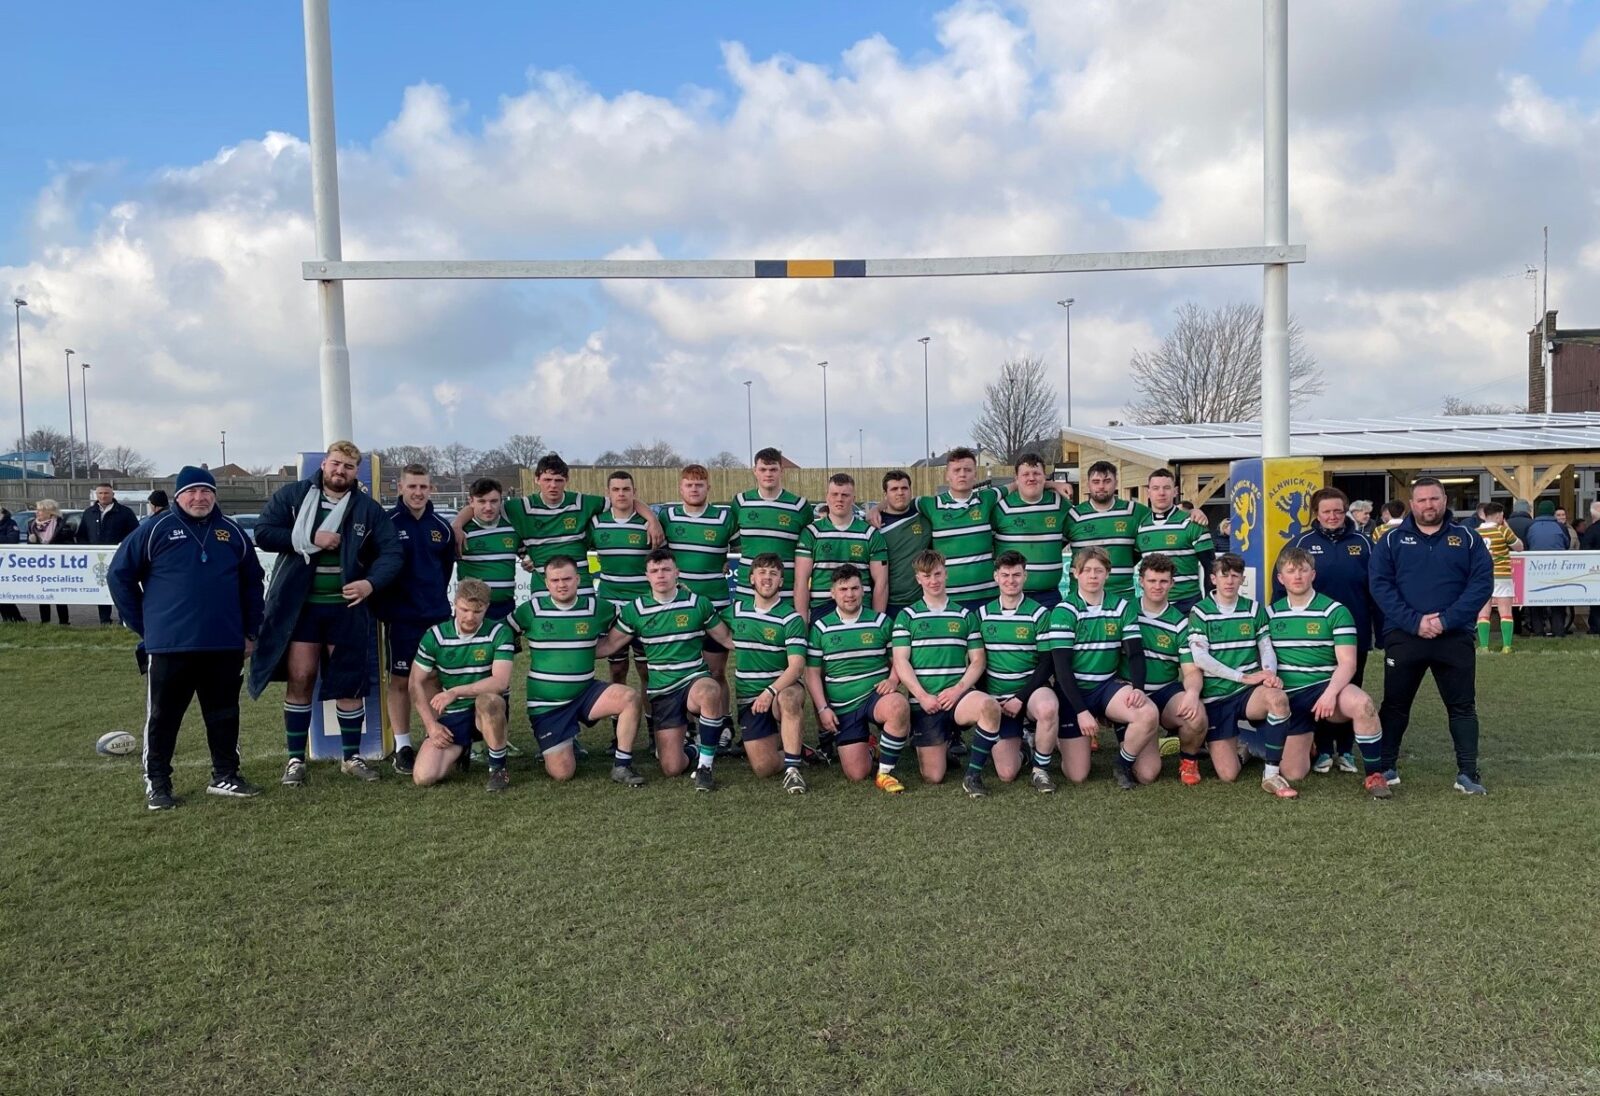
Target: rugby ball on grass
x,y
116,744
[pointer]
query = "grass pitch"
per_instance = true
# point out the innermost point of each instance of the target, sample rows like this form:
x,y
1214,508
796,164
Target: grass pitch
x,y
582,938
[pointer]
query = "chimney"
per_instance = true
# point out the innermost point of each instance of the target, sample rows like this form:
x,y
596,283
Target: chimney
x,y
1537,389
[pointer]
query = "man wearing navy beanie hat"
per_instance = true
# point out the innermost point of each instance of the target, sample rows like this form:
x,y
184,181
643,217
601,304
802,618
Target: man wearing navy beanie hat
x,y
188,582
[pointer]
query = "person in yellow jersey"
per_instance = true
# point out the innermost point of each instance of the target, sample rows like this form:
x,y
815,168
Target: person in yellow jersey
x,y
1502,542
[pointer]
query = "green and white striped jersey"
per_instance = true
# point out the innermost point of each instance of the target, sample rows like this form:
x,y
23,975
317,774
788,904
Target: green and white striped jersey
x,y
1166,645
964,535
1094,634
491,556
1174,535
768,525
939,640
1011,642
561,645
764,640
1232,637
463,660
1116,529
1306,638
699,542
327,575
905,535
672,633
621,547
853,656
550,531
1036,529
829,548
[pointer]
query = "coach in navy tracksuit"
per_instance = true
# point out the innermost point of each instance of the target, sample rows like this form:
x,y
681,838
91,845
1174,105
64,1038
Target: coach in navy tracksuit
x,y
1343,554
188,582
415,601
1430,575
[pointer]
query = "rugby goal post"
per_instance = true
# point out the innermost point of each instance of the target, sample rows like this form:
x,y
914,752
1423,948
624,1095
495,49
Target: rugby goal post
x,y
330,271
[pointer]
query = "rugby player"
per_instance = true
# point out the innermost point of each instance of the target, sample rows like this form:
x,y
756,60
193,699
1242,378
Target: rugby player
x,y
1175,533
563,629
699,533
834,539
905,533
939,657
489,551
619,537
770,638
672,623
1172,679
960,519
1230,639
768,518
1501,542
1033,521
1094,643
852,682
1316,640
460,669
1104,521
1018,678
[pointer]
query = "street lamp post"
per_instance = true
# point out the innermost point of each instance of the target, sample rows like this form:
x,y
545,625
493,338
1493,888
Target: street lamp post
x,y
72,442
88,454
1067,304
861,460
22,412
224,449
927,433
750,420
827,457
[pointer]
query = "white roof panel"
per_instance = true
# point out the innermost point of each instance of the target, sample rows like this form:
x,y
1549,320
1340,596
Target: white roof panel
x,y
1207,441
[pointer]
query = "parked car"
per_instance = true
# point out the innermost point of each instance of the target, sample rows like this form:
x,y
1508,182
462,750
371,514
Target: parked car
x,y
247,522
69,518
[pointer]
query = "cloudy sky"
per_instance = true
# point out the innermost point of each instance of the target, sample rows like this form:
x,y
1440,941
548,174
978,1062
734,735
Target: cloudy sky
x,y
156,206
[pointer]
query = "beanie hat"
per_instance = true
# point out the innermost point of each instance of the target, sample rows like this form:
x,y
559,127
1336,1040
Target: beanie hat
x,y
1547,507
190,476
157,497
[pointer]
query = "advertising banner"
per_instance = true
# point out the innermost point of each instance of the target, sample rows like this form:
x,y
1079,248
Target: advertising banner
x,y
1556,578
1269,504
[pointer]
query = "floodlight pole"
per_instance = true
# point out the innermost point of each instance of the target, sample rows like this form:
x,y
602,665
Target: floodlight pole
x,y
333,354
1275,210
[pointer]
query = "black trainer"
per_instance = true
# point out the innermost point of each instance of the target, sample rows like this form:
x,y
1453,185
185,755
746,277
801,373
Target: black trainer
x,y
1124,772
627,776
405,758
234,786
972,784
499,781
160,798
703,780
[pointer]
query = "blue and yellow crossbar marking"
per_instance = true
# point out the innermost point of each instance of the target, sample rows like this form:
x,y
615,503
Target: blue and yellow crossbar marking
x,y
811,268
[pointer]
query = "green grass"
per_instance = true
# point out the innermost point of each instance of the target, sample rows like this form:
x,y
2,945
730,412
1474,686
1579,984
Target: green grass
x,y
585,939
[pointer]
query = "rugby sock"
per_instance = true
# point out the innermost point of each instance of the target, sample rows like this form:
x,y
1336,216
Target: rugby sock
x,y
402,741
1483,634
296,728
1508,628
983,743
792,761
1371,752
1124,758
710,735
889,748
350,731
1269,771
621,756
1041,760
1185,755
1272,740
497,758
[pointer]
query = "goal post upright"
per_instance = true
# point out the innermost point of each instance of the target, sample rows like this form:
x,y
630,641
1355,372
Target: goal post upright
x,y
333,351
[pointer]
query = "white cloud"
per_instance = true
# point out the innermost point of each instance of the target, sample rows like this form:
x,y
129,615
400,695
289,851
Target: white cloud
x,y
1422,168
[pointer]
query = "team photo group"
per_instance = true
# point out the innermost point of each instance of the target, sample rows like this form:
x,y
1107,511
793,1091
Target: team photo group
x,y
989,631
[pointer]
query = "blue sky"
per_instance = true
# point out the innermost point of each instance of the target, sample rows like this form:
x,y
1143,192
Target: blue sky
x,y
1430,140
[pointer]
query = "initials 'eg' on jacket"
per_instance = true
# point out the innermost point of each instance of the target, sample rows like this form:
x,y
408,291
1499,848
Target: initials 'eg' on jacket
x,y
188,584
368,549
1448,572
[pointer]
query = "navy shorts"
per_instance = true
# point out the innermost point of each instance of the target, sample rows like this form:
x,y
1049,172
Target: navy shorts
x,y
973,604
500,610
931,730
1163,696
1048,598
1301,701
1011,725
855,723
404,636
754,726
560,725
1184,605
1224,713
329,625
1101,695
712,647
671,710
460,725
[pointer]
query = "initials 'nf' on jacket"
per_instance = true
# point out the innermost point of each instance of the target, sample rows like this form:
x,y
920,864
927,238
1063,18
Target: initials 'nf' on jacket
x,y
1448,572
368,549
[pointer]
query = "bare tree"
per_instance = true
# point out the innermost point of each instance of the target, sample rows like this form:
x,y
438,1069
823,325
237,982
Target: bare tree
x,y
1454,405
1208,369
125,459
262,469
658,454
458,461
725,459
610,459
1018,409
396,457
523,449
